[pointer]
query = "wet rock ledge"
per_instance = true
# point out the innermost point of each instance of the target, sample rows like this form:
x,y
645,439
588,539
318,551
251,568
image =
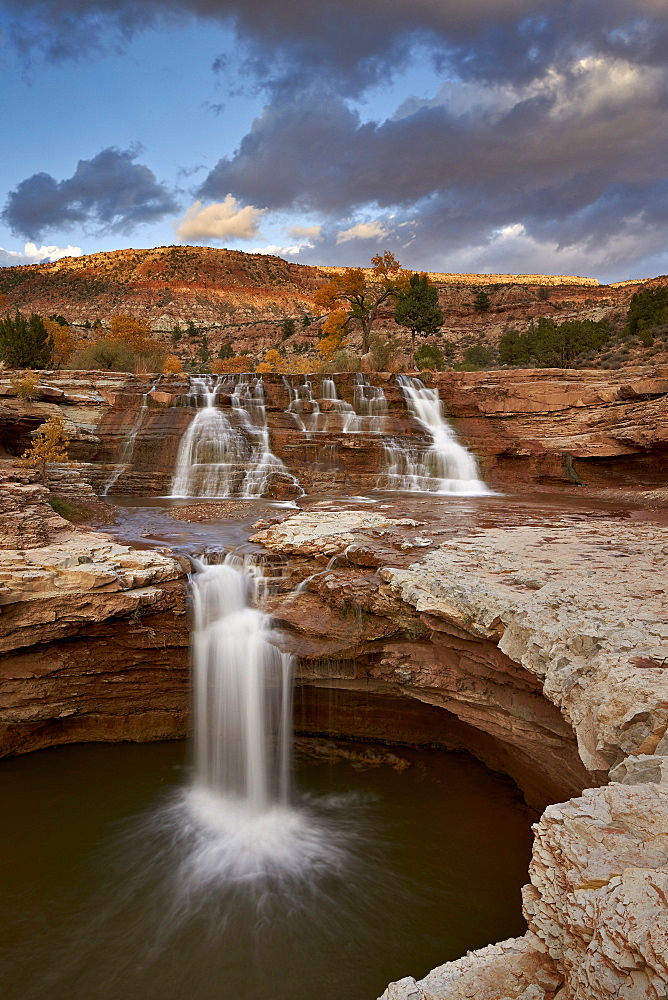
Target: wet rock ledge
x,y
93,635
552,643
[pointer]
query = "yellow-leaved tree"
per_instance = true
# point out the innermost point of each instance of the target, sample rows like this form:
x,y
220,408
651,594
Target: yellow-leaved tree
x,y
172,365
65,343
133,332
359,292
272,362
334,331
49,445
231,366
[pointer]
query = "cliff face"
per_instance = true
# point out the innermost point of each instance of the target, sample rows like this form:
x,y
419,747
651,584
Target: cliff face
x,y
596,428
93,635
580,611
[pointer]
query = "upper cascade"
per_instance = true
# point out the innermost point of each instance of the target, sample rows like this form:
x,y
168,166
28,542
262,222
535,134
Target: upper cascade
x,y
445,466
225,455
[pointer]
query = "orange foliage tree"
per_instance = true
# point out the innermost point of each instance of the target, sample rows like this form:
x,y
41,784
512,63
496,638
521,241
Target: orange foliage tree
x,y
65,343
273,362
172,365
134,332
360,293
232,366
333,331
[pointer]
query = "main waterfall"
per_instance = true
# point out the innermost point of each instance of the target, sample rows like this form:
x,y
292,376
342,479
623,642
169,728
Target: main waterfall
x,y
243,691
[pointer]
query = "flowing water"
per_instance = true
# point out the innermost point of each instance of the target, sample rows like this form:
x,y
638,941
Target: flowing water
x,y
226,454
444,466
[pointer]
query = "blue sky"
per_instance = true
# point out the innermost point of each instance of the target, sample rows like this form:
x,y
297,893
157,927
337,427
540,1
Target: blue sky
x,y
500,135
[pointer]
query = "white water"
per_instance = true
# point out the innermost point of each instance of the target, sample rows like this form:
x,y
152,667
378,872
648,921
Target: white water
x,y
127,453
246,827
331,414
445,466
221,455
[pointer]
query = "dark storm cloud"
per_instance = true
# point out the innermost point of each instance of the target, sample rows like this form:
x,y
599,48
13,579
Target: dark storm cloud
x,y
361,41
110,191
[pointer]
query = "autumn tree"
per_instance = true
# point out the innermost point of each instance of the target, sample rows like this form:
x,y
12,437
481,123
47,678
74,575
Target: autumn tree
x,y
129,330
360,292
24,343
65,343
272,362
417,307
49,445
232,366
172,365
334,331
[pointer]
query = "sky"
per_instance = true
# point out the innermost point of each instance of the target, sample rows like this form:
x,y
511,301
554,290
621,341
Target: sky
x,y
462,135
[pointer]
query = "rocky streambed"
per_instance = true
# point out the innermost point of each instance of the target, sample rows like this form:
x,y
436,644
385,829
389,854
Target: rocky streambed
x,y
531,634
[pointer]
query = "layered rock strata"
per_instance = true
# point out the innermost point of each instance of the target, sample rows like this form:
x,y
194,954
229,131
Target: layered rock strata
x,y
93,634
581,609
589,427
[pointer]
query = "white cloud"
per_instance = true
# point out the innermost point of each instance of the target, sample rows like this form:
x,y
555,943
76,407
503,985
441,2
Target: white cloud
x,y
305,235
32,254
220,220
278,251
363,231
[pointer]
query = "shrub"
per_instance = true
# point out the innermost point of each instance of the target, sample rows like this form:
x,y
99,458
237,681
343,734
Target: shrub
x,y
172,365
479,356
105,355
24,343
26,387
49,445
383,351
429,356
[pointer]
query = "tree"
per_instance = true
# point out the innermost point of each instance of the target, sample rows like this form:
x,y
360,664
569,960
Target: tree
x,y
242,363
24,343
177,333
647,310
552,346
49,445
478,356
131,331
482,302
204,353
172,365
333,332
226,351
65,343
272,361
287,328
361,293
417,307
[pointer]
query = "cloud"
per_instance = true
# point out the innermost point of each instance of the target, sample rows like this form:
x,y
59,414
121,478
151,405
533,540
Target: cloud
x,y
363,231
307,234
362,42
221,220
109,192
33,254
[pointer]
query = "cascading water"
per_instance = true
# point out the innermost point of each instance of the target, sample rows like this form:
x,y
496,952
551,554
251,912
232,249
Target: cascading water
x,y
445,466
221,456
243,691
247,827
127,453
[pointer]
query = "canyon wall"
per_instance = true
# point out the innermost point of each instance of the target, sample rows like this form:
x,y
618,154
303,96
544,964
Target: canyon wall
x,y
536,426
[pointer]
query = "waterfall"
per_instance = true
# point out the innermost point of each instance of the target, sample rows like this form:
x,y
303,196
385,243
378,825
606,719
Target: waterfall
x,y
221,456
128,450
445,466
243,691
370,407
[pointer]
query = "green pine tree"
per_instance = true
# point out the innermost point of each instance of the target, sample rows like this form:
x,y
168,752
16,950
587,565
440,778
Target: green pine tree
x,y
24,343
417,307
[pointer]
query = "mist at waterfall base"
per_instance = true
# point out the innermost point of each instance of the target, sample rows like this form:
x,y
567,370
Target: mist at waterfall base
x,y
237,884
